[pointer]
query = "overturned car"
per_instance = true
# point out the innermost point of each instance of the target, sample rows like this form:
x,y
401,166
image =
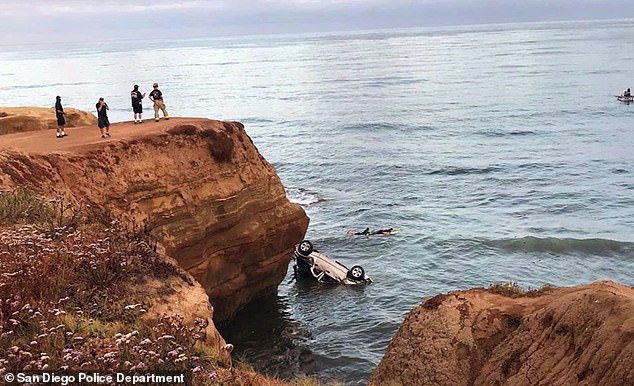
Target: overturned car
x,y
311,263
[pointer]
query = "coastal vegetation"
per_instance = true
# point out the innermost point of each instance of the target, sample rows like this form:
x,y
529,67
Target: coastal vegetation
x,y
67,302
514,290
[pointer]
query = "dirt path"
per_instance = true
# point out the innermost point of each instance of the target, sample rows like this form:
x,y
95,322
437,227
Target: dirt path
x,y
84,137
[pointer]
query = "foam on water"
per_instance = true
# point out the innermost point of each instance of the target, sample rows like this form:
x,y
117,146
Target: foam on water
x,y
302,197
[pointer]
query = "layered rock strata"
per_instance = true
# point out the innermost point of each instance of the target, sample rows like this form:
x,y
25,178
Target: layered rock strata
x,y
20,119
200,187
568,336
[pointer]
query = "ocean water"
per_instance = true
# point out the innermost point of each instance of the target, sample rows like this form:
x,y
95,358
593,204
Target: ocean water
x,y
499,152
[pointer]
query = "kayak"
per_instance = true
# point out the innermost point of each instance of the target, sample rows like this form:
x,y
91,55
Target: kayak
x,y
625,99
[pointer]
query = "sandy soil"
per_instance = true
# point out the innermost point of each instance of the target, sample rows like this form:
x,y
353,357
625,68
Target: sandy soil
x,y
85,137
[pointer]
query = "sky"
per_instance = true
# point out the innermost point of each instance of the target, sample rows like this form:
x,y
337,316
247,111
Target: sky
x,y
41,21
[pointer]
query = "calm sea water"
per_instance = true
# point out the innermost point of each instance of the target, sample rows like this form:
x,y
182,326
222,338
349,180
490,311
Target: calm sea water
x,y
500,153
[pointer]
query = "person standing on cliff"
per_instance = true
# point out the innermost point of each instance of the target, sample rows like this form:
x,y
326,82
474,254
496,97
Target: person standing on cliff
x,y
137,107
59,113
102,118
156,96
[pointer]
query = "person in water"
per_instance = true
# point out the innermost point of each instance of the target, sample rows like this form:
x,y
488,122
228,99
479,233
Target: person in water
x,y
384,232
365,232
368,232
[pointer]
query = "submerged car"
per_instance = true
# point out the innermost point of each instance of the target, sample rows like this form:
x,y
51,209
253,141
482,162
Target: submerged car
x,y
312,263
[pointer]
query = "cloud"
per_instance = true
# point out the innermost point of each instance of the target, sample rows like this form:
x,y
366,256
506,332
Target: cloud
x,y
57,20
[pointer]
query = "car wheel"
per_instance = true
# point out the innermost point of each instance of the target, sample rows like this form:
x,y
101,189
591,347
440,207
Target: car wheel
x,y
356,273
305,248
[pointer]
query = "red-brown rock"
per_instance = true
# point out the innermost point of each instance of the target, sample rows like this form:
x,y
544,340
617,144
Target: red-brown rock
x,y
581,335
20,119
200,186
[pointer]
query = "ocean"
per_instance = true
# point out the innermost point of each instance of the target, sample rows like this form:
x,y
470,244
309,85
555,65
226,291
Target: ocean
x,y
498,151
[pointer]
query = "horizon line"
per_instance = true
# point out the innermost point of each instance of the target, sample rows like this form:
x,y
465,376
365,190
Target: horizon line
x,y
323,32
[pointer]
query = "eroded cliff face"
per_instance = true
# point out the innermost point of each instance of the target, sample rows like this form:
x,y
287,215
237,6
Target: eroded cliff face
x,y
200,186
568,336
20,119
179,295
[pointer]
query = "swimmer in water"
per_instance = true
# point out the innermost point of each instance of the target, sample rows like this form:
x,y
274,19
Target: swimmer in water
x,y
367,232
385,232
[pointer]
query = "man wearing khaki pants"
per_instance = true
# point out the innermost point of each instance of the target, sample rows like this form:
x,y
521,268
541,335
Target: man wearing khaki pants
x,y
156,96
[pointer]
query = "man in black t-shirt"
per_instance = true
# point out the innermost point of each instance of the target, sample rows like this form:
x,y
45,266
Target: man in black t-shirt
x,y
156,96
102,118
59,114
137,107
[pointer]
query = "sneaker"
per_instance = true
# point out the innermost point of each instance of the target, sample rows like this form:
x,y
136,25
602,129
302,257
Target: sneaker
x,y
140,121
58,135
135,122
103,136
108,134
64,134
167,118
156,119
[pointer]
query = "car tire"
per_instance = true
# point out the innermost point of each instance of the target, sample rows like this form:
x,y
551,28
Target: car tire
x,y
356,273
305,248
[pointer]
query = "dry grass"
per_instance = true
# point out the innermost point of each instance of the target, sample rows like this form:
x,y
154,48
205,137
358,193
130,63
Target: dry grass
x,y
514,290
23,205
65,304
508,289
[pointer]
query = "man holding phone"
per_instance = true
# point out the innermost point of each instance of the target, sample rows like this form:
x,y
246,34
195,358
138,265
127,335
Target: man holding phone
x,y
102,118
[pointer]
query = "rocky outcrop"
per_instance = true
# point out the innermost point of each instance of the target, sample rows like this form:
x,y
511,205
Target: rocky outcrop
x,y
568,336
180,295
20,119
200,186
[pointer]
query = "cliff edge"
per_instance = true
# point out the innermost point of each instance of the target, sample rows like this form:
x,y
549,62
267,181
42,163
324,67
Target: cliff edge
x,y
581,335
200,186
20,119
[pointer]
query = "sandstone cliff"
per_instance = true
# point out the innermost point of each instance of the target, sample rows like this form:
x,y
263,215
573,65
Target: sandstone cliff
x,y
179,295
568,336
19,119
200,186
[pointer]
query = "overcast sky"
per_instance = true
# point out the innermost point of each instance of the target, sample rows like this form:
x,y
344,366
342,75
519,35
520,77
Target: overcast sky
x,y
81,20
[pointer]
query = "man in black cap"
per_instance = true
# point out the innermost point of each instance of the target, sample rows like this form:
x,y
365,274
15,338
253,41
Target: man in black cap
x,y
156,96
137,107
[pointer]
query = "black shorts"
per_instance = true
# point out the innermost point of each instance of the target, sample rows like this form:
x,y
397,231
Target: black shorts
x,y
103,122
60,120
137,109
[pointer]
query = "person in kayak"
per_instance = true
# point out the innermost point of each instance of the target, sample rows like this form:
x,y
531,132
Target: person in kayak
x,y
627,93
